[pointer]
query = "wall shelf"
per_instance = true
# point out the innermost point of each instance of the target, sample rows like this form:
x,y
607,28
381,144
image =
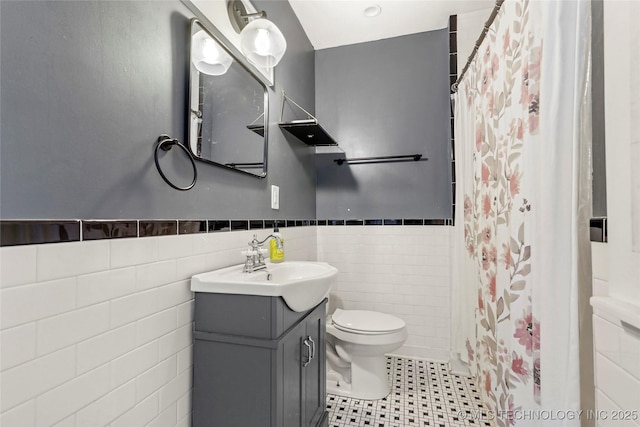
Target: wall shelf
x,y
306,130
259,129
257,126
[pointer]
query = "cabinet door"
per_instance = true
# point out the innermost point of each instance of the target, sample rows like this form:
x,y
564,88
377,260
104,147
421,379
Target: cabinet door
x,y
231,385
314,374
289,379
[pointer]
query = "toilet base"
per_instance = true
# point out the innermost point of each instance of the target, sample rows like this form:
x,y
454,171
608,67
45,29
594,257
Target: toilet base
x,y
336,384
369,379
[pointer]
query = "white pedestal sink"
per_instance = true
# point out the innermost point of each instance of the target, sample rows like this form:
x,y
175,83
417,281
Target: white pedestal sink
x,y
302,284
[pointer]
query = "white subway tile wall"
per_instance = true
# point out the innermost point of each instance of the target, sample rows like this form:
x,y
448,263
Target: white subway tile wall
x,y
617,353
617,363
617,373
99,333
399,270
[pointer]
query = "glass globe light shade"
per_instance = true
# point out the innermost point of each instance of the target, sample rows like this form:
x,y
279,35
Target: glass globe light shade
x,y
262,43
208,56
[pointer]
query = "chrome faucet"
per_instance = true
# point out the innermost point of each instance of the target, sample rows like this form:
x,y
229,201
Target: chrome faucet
x,y
255,253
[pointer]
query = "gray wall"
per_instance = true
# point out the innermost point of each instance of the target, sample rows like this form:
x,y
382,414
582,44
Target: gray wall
x,y
388,97
88,86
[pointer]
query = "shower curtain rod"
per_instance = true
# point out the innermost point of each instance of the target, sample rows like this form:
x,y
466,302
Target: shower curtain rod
x,y
492,17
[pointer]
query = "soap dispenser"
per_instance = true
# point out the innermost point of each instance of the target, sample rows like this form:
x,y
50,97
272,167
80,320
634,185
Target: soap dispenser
x,y
276,246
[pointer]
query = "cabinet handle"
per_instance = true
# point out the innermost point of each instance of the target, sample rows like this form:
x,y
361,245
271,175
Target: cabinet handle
x,y
313,347
306,343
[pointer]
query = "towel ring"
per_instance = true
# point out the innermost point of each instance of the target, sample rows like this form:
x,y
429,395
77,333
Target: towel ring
x,y
165,143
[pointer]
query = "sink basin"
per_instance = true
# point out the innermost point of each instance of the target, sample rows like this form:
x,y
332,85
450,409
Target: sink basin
x,y
302,284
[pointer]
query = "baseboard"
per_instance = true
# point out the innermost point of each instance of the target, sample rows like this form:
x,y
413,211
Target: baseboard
x,y
422,353
458,367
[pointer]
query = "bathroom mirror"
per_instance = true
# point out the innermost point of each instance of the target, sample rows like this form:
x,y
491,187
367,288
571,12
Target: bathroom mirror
x,y
228,107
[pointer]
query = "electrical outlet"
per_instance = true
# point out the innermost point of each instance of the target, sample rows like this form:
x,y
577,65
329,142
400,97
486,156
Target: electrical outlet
x,y
275,197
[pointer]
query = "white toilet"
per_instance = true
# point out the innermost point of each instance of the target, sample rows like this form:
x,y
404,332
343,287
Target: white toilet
x,y
357,341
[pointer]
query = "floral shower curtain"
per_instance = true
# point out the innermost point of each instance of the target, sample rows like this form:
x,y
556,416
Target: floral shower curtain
x,y
519,135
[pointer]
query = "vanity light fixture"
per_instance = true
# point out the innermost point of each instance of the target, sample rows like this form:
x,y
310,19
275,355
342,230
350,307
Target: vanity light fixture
x,y
261,41
208,56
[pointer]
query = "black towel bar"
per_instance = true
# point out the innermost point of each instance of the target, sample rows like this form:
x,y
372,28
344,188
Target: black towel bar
x,y
382,159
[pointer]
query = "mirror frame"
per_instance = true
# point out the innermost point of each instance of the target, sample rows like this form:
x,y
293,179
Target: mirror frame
x,y
234,55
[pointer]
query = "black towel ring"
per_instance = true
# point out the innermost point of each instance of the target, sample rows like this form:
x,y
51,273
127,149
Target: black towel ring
x,y
165,143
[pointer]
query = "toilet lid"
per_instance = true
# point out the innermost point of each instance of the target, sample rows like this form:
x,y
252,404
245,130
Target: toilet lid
x,y
366,321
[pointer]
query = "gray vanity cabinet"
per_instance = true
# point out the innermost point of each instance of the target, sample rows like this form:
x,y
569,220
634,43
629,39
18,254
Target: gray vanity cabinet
x,y
257,363
314,374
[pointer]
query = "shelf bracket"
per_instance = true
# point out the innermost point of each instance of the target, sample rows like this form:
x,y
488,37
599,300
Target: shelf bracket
x,y
306,130
285,98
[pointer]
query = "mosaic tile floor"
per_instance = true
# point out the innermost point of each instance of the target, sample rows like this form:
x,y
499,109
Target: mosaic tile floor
x,y
422,394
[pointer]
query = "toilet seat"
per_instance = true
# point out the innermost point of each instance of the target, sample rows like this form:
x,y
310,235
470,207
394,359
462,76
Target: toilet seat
x,y
366,322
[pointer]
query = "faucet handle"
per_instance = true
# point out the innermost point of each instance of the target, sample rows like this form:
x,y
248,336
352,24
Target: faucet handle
x,y
249,252
254,244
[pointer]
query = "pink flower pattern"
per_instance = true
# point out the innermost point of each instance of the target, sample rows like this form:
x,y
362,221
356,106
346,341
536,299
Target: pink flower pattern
x,y
506,256
519,367
492,286
528,333
503,90
470,351
486,206
485,174
486,235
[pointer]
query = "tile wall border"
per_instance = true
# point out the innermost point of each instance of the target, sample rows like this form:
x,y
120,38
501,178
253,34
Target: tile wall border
x,y
32,232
